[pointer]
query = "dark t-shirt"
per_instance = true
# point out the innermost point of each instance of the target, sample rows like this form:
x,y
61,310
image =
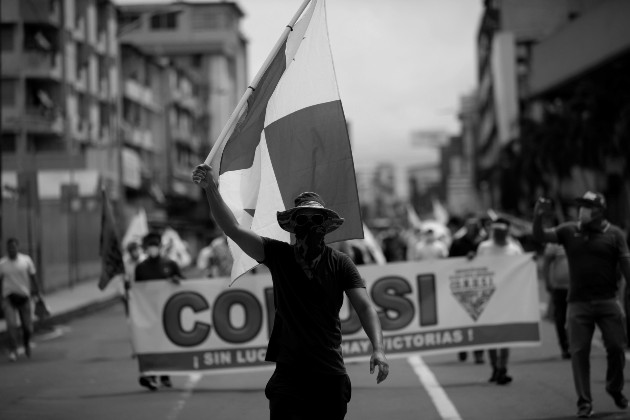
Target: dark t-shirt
x,y
593,260
157,269
307,328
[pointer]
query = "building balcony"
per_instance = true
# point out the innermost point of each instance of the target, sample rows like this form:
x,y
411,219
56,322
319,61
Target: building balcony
x,y
41,65
40,11
101,43
103,91
80,83
139,93
78,33
81,130
137,137
34,120
10,63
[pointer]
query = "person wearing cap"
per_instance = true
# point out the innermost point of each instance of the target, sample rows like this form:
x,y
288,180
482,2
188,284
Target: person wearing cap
x,y
309,279
595,250
154,267
499,244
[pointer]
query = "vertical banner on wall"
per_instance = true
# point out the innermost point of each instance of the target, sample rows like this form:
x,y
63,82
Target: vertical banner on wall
x,y
431,307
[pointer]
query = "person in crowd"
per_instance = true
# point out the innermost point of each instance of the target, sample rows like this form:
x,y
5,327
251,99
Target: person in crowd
x,y
466,245
499,244
428,248
216,258
156,267
596,250
18,283
555,271
309,279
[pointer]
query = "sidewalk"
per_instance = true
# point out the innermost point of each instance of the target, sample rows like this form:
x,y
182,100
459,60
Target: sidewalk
x,y
75,301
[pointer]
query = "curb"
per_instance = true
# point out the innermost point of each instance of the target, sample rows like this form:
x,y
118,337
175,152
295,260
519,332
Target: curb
x,y
67,315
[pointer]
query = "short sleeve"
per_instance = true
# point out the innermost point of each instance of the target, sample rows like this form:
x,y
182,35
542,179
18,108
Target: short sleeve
x,y
622,245
350,275
30,266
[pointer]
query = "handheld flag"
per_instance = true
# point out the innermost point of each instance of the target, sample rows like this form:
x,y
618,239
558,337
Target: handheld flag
x,y
137,229
111,256
291,138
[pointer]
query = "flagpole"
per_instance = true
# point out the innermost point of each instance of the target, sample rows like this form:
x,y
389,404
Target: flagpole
x,y
231,122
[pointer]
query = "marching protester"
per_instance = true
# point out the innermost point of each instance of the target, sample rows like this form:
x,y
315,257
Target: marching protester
x,y
309,279
466,246
428,248
499,243
18,283
156,267
131,259
595,250
215,258
555,271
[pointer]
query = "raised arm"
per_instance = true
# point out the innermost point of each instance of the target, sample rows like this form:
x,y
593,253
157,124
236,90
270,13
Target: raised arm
x,y
541,234
372,326
248,241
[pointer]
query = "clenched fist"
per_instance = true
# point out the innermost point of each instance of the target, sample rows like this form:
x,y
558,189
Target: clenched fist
x,y
202,175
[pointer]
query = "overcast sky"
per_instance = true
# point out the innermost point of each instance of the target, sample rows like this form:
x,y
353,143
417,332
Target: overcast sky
x,y
401,65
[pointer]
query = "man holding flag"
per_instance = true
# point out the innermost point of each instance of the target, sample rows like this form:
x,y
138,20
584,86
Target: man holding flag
x,y
287,135
309,279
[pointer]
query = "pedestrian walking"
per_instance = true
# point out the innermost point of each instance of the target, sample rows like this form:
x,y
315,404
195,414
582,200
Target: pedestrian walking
x,y
18,282
596,250
555,271
155,266
309,279
499,244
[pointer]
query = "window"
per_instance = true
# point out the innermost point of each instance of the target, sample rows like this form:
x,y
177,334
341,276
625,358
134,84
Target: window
x,y
8,32
164,21
7,142
7,90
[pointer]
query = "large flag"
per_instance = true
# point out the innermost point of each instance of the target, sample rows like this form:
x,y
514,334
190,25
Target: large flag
x,y
111,256
292,137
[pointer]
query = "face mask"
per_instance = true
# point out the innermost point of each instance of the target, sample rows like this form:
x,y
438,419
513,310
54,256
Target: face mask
x,y
585,215
153,251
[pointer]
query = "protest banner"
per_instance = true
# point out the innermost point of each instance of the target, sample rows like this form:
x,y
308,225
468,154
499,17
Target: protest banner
x,y
435,306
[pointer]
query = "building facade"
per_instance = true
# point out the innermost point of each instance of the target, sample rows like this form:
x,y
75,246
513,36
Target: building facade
x,y
508,31
203,37
59,107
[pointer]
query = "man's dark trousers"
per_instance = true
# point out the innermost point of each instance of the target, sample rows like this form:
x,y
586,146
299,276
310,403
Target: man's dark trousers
x,y
582,318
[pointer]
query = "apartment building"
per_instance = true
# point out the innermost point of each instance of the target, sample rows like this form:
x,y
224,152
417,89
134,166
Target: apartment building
x,y
59,103
160,132
202,37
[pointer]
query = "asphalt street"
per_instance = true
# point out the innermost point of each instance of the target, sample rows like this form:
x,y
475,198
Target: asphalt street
x,y
84,370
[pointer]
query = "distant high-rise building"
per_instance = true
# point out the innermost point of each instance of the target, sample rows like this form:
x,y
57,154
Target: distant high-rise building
x,y
203,37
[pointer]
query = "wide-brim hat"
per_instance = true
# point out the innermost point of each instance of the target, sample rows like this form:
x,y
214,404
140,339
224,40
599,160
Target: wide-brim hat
x,y
309,201
591,199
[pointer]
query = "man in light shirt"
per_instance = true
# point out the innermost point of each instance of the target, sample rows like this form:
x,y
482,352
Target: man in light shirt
x,y
18,284
499,243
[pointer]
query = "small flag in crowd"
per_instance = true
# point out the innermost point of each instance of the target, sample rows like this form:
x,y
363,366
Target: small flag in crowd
x,y
137,229
291,138
111,256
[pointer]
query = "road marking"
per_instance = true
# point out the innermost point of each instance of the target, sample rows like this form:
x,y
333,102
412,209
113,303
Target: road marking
x,y
193,379
441,401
